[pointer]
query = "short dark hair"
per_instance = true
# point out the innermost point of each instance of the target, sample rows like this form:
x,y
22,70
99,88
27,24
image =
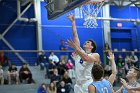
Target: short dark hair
x,y
137,71
93,44
97,71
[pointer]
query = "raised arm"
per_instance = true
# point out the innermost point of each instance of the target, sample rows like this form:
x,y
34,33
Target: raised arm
x,y
74,30
130,88
95,57
127,87
135,88
91,89
119,90
114,70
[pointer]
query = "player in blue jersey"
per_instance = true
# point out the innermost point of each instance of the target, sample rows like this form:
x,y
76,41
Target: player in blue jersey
x,y
100,85
132,86
128,87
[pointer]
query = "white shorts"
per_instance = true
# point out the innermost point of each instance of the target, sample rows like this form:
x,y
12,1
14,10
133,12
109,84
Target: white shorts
x,y
82,88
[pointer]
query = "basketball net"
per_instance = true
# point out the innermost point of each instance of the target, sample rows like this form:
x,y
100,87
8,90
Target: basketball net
x,y
90,12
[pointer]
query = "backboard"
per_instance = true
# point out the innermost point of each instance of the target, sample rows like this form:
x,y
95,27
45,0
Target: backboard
x,y
56,8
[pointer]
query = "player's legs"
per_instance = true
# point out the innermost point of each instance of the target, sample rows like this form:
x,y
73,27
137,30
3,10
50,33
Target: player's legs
x,y
85,85
78,89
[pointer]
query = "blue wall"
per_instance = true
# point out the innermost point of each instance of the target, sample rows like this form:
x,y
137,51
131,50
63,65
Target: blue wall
x,y
138,35
55,30
128,34
21,36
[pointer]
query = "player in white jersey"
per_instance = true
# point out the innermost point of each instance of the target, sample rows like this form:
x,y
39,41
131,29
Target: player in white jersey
x,y
84,59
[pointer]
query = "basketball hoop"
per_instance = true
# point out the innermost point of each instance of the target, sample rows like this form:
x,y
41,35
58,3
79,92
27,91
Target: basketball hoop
x,y
91,10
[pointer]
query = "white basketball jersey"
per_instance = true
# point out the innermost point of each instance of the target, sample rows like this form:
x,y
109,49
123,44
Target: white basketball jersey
x,y
83,69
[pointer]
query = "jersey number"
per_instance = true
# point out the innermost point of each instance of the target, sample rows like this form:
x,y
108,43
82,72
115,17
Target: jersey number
x,y
104,90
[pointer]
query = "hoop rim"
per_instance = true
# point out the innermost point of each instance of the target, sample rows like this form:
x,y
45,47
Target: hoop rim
x,y
94,2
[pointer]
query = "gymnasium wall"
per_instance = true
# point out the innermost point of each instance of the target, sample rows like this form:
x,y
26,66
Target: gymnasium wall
x,y
126,36
122,37
21,36
55,30
138,30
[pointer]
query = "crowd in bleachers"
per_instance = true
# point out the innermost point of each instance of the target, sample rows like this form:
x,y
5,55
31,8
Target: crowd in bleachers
x,y
14,76
10,74
59,71
124,63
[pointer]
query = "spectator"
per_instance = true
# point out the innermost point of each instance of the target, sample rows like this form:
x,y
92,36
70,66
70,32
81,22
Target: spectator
x,y
106,49
66,78
128,63
61,67
134,59
42,60
107,71
51,68
68,81
53,57
25,74
4,61
63,47
70,68
120,61
55,77
121,66
107,64
62,88
1,76
13,73
42,88
52,88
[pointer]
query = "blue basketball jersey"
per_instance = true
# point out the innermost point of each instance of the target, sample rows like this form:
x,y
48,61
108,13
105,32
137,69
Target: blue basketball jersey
x,y
124,90
103,86
133,85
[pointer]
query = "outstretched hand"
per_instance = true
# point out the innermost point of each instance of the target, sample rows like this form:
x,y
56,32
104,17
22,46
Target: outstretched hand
x,y
73,55
124,83
71,43
71,17
110,56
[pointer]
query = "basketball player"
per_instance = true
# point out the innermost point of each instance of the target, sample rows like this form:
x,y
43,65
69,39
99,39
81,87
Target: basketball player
x,y
128,87
133,86
84,59
100,85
